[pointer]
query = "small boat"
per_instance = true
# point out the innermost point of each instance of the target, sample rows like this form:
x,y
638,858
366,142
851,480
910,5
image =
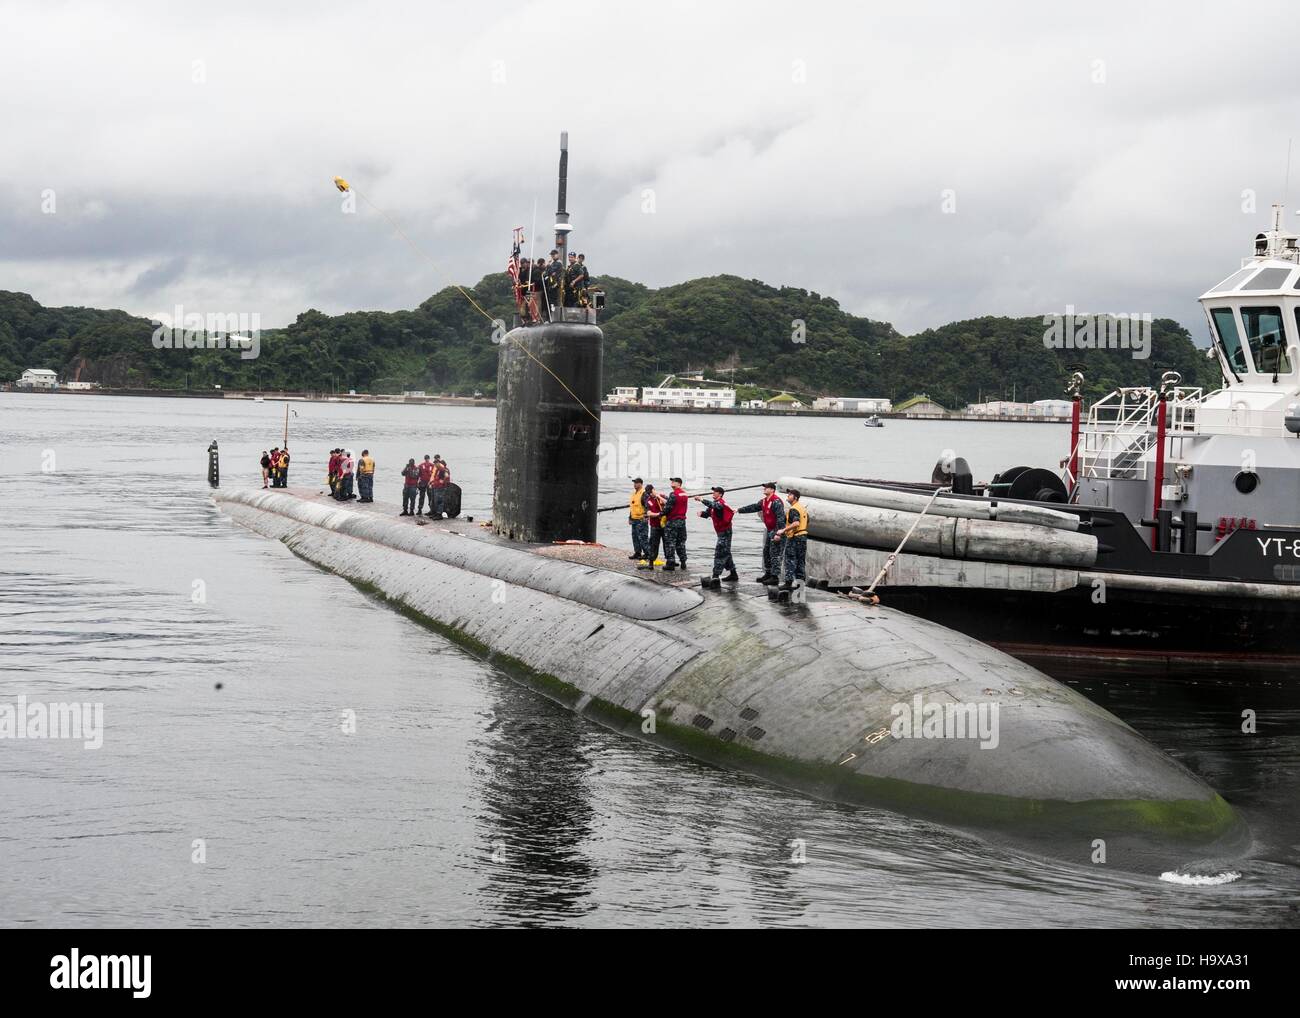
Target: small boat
x,y
873,422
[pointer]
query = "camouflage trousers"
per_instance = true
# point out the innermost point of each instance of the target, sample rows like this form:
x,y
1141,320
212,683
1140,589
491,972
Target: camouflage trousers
x,y
640,538
675,542
772,554
796,548
722,560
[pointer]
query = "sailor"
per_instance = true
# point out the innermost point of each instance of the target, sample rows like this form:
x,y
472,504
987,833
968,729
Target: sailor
x,y
584,281
553,280
346,469
410,484
530,278
284,467
366,476
426,475
266,468
636,519
332,473
675,506
716,508
438,482
796,539
654,506
773,510
275,467
573,274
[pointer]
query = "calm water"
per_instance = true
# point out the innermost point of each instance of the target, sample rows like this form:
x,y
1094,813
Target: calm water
x,y
107,528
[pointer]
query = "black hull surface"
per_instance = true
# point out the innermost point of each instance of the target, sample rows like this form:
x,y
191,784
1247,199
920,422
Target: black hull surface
x,y
1240,636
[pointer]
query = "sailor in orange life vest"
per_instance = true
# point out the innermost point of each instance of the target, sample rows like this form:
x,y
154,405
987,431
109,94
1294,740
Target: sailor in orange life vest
x,y
796,539
675,506
773,510
716,508
636,519
366,476
654,509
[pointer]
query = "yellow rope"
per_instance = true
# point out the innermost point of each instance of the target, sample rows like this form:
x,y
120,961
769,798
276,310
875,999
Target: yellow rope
x,y
343,185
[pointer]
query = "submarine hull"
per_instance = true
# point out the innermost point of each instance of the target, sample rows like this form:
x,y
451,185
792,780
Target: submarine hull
x,y
804,695
548,428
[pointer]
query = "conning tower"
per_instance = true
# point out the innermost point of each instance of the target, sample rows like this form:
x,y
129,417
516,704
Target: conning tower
x,y
549,379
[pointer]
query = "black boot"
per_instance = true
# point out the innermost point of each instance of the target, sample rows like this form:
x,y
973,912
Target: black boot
x,y
731,577
669,567
787,585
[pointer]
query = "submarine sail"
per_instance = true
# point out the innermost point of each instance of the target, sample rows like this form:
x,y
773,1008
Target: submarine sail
x,y
548,413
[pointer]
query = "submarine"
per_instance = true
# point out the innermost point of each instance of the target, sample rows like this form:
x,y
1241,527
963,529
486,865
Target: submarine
x,y
819,692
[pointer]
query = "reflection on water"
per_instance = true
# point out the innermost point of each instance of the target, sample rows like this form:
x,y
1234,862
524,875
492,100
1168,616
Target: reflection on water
x,y
231,671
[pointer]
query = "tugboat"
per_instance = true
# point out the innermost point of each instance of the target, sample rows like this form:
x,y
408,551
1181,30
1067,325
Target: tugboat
x,y
1172,532
873,422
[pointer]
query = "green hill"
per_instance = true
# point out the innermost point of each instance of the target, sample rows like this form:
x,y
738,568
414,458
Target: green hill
x,y
759,336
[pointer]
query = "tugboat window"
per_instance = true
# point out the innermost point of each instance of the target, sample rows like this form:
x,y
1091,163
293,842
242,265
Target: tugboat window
x,y
1268,279
1231,282
1267,338
1246,481
1225,324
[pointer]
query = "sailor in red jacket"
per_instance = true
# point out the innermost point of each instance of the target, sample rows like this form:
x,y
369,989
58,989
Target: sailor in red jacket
x,y
716,508
675,506
438,481
773,510
426,475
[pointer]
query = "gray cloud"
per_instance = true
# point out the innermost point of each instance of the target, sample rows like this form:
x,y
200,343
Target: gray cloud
x,y
1097,159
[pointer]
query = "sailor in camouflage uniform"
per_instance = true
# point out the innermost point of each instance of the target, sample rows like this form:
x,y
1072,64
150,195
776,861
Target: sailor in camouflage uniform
x,y
773,510
675,506
716,509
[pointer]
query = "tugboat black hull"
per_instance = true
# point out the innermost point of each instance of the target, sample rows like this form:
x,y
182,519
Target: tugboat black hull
x,y
1129,626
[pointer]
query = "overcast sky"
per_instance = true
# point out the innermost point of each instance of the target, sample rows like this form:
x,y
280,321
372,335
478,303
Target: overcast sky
x,y
1096,154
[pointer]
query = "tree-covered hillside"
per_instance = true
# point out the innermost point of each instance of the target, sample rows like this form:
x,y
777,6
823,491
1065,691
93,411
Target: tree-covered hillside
x,y
723,326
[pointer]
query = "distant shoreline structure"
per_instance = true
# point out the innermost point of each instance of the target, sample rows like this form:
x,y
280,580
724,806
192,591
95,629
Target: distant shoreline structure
x,y
470,401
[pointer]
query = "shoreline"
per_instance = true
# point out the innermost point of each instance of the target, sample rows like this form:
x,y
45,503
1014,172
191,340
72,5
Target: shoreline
x,y
470,401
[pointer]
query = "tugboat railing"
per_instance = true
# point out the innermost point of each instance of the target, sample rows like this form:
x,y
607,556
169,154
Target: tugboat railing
x,y
1121,429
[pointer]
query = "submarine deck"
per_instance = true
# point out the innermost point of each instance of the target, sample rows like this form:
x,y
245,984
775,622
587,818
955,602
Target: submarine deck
x,y
597,556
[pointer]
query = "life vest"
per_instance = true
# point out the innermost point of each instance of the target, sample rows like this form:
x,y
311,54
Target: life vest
x,y
441,475
769,511
677,511
334,465
426,471
347,465
634,507
721,514
653,507
284,460
801,523
412,475
367,465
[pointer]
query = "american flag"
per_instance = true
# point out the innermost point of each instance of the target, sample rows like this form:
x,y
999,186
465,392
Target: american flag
x,y
512,266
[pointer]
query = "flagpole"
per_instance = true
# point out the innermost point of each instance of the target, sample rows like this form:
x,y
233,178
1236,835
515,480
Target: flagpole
x,y
532,245
286,426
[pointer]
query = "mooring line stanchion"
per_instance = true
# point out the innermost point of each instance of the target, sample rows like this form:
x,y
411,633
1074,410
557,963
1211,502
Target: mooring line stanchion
x,y
893,556
214,466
